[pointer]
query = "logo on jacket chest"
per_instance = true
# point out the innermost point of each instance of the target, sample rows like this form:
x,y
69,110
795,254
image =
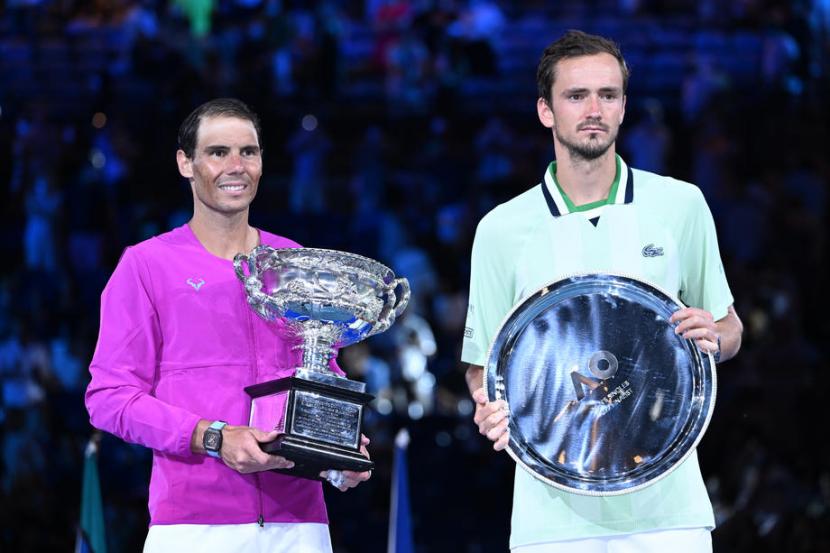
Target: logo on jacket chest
x,y
196,283
650,250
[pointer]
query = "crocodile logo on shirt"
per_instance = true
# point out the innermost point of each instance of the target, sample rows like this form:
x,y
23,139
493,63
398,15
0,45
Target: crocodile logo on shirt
x,y
650,250
196,283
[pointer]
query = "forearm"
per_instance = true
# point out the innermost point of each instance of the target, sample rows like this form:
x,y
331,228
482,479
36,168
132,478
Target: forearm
x,y
197,438
474,377
730,330
137,417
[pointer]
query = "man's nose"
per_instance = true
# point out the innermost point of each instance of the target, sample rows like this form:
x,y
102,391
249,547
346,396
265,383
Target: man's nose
x,y
234,163
594,107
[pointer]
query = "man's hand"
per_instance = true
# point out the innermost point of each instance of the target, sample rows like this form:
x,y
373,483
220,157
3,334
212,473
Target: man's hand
x,y
241,452
698,325
240,448
492,419
343,480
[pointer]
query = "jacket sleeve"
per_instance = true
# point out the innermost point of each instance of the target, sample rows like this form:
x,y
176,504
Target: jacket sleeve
x,y
124,367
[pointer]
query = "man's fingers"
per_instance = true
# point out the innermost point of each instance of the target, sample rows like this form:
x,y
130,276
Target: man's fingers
x,y
700,334
345,479
352,479
278,462
708,346
483,412
357,477
688,312
264,437
492,421
497,431
503,441
479,396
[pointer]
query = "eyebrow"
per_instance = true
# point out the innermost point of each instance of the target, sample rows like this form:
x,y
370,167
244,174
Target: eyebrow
x,y
222,148
583,90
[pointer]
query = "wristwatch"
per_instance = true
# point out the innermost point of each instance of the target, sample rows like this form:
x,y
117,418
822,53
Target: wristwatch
x,y
212,440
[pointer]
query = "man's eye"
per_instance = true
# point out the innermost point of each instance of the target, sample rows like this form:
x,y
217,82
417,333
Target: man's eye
x,y
575,96
217,153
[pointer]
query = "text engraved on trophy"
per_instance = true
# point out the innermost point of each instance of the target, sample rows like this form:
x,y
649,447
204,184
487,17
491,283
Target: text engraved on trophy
x,y
615,397
326,419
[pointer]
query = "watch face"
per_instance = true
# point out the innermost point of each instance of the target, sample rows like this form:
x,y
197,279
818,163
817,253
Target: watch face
x,y
212,440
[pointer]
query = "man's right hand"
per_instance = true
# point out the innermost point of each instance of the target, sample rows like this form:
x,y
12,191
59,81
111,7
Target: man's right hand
x,y
241,452
492,418
240,448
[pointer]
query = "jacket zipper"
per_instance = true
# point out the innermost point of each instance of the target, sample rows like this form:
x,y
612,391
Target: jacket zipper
x,y
255,368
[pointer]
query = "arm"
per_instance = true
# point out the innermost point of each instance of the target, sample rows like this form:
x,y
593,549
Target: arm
x,y
491,417
704,286
124,367
124,373
491,296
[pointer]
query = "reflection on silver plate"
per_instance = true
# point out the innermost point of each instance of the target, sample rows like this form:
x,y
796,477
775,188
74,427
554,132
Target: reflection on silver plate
x,y
604,397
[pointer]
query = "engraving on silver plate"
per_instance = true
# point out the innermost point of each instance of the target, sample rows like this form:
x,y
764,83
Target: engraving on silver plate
x,y
605,398
325,419
321,299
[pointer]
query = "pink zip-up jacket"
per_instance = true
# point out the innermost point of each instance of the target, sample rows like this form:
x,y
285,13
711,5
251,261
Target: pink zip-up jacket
x,y
178,343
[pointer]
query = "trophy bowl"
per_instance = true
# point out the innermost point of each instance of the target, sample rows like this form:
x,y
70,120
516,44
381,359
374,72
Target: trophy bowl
x,y
319,300
604,397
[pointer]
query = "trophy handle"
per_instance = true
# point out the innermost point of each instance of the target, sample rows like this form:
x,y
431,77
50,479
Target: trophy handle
x,y
395,304
255,296
402,298
239,260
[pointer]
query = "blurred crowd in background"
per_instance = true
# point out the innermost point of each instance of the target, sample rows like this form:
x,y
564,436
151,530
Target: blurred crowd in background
x,y
389,128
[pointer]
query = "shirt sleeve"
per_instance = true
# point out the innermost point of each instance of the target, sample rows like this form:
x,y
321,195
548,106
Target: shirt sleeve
x,y
492,285
703,281
124,367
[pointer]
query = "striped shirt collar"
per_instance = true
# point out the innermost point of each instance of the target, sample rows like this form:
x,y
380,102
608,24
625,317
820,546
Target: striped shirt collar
x,y
621,192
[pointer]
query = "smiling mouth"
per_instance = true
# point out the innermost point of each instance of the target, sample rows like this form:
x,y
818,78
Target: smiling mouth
x,y
232,187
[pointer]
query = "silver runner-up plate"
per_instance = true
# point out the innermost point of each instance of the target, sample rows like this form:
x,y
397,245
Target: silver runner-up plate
x,y
604,397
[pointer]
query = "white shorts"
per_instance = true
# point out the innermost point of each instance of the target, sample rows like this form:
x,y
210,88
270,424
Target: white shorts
x,y
305,537
686,540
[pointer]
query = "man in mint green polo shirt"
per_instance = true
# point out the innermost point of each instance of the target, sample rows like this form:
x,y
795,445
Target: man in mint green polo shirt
x,y
593,214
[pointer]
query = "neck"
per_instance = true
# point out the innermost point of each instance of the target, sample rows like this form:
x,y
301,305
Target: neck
x,y
585,181
224,236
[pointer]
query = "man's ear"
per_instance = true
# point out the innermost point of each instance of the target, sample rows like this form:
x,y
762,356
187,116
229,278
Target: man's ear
x,y
622,113
185,164
545,113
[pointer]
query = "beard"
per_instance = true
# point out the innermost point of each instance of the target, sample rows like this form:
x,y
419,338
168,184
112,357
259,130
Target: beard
x,y
590,149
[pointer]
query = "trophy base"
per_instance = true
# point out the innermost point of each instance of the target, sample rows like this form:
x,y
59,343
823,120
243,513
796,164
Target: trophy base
x,y
320,416
310,458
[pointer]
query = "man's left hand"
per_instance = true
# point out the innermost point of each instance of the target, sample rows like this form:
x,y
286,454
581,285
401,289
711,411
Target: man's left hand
x,y
698,325
350,478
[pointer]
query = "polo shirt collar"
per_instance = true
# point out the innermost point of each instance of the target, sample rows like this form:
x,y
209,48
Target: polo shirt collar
x,y
622,192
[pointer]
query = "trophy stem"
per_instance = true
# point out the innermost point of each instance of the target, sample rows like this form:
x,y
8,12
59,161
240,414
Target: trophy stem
x,y
317,352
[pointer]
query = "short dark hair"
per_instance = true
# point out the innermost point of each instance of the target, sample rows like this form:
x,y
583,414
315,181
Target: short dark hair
x,y
574,44
219,107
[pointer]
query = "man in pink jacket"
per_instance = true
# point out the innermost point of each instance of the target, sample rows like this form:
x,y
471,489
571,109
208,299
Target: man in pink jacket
x,y
177,345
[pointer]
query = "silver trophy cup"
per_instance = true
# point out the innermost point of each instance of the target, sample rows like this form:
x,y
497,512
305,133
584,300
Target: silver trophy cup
x,y
319,300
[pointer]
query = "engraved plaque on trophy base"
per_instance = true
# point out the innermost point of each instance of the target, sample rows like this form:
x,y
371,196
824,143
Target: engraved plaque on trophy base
x,y
320,417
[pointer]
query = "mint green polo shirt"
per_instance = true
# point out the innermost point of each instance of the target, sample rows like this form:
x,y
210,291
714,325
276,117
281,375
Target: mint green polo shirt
x,y
653,228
